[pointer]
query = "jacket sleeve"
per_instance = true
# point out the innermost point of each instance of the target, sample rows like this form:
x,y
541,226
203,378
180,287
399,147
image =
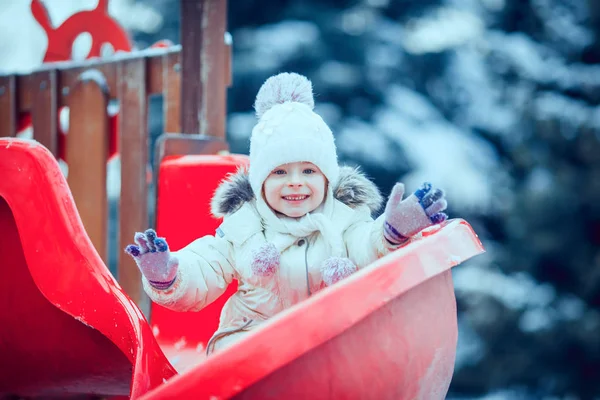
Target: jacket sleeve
x,y
206,268
364,239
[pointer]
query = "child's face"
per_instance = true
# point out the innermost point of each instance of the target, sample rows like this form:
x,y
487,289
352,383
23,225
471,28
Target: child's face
x,y
295,189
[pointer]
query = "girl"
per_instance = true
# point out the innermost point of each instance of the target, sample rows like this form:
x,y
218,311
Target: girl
x,y
295,223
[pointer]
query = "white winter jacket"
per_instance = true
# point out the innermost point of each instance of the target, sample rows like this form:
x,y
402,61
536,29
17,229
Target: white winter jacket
x,y
209,264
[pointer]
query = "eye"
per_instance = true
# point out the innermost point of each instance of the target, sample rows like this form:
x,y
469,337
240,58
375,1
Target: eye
x,y
279,172
309,171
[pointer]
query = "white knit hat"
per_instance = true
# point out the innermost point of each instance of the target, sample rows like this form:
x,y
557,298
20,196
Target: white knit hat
x,y
289,131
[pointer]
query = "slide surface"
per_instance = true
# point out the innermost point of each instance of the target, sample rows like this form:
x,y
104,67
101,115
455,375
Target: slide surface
x,y
67,327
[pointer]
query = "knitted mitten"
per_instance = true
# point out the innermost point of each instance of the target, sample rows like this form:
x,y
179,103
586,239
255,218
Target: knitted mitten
x,y
405,218
154,259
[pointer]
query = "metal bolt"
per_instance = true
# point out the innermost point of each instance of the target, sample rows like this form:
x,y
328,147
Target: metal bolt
x,y
177,67
65,90
43,85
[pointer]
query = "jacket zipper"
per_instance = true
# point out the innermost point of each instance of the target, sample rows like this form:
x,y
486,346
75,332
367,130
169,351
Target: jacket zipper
x,y
306,267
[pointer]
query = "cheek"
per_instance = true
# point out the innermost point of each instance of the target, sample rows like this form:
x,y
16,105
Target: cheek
x,y
271,189
318,186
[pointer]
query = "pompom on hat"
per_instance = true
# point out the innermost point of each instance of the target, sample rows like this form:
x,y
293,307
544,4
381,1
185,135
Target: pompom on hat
x,y
288,130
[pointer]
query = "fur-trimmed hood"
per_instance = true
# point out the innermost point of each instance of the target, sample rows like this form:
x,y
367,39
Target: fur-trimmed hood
x,y
353,189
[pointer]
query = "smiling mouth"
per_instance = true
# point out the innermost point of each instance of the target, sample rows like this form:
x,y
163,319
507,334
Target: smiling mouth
x,y
296,197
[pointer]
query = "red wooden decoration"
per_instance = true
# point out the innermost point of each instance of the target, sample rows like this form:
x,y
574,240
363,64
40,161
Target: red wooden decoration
x,y
103,30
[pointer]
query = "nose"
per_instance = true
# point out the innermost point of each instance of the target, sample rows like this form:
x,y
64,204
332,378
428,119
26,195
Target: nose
x,y
295,180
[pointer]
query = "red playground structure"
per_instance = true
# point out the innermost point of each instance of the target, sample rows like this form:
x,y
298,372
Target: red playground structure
x,y
70,329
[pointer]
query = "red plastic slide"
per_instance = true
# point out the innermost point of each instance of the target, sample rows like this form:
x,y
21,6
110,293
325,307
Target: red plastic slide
x,y
65,325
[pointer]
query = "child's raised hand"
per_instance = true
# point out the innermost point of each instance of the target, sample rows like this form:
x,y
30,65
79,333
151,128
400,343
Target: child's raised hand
x,y
404,218
154,259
